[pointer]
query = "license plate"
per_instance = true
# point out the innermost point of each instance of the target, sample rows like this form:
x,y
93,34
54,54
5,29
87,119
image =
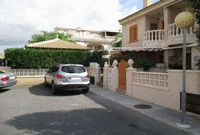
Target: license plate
x,y
12,77
75,78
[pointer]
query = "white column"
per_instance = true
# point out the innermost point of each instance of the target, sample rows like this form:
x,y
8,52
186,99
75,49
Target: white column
x,y
129,72
166,21
166,59
105,78
114,79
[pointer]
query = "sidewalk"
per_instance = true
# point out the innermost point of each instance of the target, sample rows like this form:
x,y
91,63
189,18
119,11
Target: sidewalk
x,y
165,115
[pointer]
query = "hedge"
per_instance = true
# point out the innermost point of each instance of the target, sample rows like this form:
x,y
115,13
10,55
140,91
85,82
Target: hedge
x,y
44,58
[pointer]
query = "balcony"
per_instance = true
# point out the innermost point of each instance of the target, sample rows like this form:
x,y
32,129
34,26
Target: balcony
x,y
175,35
153,39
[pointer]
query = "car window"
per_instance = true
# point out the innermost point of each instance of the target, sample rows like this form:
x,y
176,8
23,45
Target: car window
x,y
73,69
53,69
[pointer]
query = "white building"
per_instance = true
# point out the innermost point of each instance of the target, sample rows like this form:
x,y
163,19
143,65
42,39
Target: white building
x,y
99,40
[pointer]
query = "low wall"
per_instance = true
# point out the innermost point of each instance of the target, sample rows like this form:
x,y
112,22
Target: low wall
x,y
163,91
30,80
95,72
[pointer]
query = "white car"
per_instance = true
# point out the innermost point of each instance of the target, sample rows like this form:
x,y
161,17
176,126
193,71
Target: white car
x,y
7,79
67,77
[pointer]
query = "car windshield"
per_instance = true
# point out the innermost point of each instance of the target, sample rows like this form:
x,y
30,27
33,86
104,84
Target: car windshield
x,y
73,69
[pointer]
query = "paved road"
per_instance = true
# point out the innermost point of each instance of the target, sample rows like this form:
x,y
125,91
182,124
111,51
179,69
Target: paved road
x,y
35,111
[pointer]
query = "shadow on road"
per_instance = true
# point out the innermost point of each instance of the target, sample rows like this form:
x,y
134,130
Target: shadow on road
x,y
76,122
135,118
46,91
4,90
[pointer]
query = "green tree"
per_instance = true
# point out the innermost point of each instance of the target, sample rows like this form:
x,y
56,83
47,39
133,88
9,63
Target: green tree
x,y
118,41
48,36
195,4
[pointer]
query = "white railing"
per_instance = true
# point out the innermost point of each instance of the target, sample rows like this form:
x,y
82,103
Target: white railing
x,y
110,37
30,72
149,79
175,31
154,35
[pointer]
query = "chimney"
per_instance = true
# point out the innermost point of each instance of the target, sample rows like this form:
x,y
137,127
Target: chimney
x,y
147,3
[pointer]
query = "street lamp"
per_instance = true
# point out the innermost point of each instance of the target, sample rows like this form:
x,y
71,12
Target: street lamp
x,y
183,21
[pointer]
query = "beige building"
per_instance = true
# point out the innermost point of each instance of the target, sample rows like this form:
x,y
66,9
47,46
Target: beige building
x,y
98,40
153,29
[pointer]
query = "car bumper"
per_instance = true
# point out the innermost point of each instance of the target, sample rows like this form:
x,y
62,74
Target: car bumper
x,y
8,84
72,86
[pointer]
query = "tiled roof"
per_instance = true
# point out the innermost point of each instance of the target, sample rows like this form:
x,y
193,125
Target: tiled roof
x,y
57,44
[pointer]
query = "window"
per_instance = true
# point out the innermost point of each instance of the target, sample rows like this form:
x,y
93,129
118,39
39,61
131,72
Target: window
x,y
133,33
53,69
154,26
73,69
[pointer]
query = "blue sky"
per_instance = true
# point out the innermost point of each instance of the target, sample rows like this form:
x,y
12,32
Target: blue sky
x,y
130,3
21,19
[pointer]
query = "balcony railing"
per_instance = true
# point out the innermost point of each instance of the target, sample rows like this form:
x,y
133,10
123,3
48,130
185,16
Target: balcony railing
x,y
175,34
175,31
154,35
153,38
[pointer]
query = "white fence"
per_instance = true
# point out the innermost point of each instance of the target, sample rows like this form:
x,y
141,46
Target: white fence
x,y
150,79
30,72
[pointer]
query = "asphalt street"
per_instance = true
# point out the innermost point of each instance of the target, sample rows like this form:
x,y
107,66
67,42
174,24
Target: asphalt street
x,y
33,110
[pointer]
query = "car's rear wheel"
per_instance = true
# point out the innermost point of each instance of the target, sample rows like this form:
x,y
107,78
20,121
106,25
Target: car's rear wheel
x,y
53,89
85,90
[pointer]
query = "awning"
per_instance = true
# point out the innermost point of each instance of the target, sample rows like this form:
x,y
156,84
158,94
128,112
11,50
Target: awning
x,y
177,47
137,49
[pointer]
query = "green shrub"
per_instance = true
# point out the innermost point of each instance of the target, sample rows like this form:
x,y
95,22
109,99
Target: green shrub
x,y
145,64
44,58
178,66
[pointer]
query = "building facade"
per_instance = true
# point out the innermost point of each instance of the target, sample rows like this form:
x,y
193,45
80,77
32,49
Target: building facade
x,y
98,40
153,28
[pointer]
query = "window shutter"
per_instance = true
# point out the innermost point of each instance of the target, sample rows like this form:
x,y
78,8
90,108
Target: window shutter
x,y
133,33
